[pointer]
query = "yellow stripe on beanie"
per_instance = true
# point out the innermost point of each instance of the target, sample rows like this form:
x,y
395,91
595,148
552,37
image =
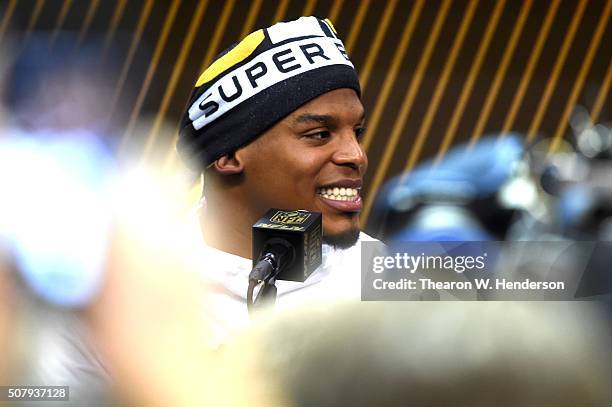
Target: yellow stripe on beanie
x,y
237,54
328,21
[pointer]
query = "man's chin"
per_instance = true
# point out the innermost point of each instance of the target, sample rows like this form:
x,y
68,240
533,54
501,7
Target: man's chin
x,y
342,240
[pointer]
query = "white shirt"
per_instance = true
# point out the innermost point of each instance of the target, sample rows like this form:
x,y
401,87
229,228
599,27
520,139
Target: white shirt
x,y
337,278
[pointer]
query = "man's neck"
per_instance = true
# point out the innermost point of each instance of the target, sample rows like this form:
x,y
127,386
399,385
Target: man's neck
x,y
231,234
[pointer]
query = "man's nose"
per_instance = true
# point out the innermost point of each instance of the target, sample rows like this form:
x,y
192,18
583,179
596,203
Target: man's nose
x,y
350,152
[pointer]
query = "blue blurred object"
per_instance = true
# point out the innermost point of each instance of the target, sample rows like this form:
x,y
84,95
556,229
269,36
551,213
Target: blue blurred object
x,y
55,215
443,223
434,202
63,87
461,174
574,204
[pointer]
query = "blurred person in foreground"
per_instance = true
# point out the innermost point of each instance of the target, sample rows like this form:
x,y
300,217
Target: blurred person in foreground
x,y
56,167
276,122
128,332
431,354
65,207
97,289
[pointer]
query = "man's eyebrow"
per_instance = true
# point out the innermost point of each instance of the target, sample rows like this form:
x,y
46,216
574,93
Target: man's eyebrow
x,y
317,118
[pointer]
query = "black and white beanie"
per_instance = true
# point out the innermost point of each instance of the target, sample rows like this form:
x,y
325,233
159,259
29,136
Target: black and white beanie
x,y
258,82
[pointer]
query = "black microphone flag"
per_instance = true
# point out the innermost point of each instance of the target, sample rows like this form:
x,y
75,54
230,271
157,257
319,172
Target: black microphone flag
x,y
300,229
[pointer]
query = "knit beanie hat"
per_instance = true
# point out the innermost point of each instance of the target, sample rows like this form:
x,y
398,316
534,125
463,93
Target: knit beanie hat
x,y
259,81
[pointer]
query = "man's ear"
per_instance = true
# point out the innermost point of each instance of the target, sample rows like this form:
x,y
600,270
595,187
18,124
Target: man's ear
x,y
229,164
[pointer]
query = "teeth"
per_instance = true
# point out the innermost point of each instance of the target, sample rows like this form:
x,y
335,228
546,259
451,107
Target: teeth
x,y
339,193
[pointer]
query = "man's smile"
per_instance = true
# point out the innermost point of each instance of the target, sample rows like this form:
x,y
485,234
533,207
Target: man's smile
x,y
339,193
343,196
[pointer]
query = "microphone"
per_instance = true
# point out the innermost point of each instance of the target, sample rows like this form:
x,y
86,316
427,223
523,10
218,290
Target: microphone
x,y
286,246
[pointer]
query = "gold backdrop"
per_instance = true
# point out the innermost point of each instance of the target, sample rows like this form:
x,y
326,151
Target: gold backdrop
x,y
434,73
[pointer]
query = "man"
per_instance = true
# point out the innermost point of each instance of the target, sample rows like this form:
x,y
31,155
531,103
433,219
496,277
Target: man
x,y
276,122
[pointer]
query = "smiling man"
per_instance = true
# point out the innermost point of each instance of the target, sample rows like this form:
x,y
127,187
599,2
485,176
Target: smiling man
x,y
309,160
276,122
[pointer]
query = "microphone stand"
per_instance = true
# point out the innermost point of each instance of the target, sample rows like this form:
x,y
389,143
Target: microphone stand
x,y
264,272
277,255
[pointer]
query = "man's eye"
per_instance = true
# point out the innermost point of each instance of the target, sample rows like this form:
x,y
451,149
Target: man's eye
x,y
359,132
320,135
